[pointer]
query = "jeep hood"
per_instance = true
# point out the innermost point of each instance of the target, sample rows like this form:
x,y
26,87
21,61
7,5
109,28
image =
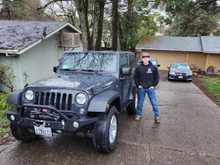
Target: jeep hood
x,y
79,81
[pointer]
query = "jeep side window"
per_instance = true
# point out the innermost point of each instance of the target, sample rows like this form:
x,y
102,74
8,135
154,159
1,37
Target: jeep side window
x,y
132,60
123,60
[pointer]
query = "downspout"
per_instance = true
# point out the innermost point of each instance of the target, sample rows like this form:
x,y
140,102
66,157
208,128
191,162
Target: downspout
x,y
201,44
202,51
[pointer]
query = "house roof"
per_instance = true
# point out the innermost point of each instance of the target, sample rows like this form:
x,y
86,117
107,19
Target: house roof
x,y
17,37
191,44
206,44
211,44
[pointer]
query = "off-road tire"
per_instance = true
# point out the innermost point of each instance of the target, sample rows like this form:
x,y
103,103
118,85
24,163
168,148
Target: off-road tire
x,y
22,134
101,140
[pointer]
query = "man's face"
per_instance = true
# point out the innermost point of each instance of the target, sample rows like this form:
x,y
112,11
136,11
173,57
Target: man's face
x,y
145,58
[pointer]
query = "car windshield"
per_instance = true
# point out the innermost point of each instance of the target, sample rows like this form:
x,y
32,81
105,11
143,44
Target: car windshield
x,y
180,67
154,62
105,62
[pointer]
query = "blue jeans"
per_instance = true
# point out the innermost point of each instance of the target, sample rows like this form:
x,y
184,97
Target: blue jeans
x,y
153,99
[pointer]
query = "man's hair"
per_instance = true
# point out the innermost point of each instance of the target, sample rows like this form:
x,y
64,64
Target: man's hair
x,y
143,54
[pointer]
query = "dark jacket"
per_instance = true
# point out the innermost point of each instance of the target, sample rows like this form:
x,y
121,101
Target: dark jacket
x,y
146,75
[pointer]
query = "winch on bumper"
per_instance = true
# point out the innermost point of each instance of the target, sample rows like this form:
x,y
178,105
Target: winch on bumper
x,y
59,121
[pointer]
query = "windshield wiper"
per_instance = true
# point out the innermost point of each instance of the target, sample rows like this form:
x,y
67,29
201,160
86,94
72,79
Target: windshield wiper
x,y
88,70
68,69
92,70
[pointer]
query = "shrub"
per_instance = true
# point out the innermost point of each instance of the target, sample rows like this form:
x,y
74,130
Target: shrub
x,y
6,78
4,106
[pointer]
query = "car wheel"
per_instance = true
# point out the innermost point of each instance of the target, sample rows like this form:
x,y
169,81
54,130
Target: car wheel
x,y
106,132
22,134
168,77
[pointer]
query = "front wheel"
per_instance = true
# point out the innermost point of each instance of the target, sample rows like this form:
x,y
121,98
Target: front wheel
x,y
106,132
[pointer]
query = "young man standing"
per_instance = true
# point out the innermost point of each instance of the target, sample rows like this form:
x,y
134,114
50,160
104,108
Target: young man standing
x,y
146,79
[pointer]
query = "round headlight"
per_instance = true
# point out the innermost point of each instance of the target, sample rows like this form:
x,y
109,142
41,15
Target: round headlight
x,y
29,95
81,98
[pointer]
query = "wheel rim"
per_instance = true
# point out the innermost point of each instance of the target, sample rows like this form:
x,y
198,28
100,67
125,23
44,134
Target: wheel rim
x,y
113,129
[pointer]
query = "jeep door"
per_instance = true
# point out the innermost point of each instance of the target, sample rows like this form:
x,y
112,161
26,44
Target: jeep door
x,y
126,81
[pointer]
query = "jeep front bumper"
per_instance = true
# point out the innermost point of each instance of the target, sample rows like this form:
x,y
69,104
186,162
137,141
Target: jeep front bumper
x,y
63,123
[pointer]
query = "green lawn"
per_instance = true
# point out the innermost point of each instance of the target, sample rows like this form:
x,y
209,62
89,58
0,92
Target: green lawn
x,y
212,83
3,108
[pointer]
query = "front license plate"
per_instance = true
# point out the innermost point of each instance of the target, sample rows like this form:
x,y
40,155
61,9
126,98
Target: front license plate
x,y
180,76
44,131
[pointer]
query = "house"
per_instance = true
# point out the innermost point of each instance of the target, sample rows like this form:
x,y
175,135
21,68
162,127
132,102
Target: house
x,y
200,52
32,48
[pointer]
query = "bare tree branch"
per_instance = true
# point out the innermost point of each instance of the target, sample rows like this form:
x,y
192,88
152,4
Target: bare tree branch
x,y
48,4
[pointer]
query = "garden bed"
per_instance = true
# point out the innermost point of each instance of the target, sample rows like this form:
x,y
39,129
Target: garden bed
x,y
210,85
4,123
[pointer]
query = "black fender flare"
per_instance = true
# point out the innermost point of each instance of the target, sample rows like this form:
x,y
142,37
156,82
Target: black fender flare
x,y
15,98
101,102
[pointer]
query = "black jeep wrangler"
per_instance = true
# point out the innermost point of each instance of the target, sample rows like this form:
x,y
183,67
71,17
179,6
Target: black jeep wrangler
x,y
89,91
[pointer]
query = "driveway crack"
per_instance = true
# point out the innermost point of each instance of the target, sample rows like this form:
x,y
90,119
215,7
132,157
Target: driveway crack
x,y
149,148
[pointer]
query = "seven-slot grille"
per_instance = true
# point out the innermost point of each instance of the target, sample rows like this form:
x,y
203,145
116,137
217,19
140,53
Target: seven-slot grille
x,y
62,101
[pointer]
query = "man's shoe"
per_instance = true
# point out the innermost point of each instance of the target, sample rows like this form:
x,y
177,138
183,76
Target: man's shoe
x,y
137,117
157,120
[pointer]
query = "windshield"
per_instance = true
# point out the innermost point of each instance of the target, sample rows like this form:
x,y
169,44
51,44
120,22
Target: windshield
x,y
90,62
154,62
180,67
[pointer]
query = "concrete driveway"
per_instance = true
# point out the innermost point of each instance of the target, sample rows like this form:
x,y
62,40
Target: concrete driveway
x,y
189,134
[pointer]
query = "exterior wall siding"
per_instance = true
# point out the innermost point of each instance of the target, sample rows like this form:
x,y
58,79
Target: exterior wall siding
x,y
197,59
165,58
213,60
37,63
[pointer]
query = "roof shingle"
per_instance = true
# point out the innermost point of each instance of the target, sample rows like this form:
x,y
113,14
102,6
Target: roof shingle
x,y
211,44
189,44
205,44
16,35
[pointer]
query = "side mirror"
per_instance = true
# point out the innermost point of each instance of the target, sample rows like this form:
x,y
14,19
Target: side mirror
x,y
126,71
55,69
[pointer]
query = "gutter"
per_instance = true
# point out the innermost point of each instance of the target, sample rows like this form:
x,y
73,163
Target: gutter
x,y
172,50
8,51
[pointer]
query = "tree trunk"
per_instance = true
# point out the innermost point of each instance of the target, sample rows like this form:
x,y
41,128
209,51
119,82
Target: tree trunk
x,y
89,36
79,6
115,20
101,4
82,8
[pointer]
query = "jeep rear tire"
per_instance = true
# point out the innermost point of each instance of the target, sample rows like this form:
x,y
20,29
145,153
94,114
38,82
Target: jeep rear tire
x,y
22,134
106,132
